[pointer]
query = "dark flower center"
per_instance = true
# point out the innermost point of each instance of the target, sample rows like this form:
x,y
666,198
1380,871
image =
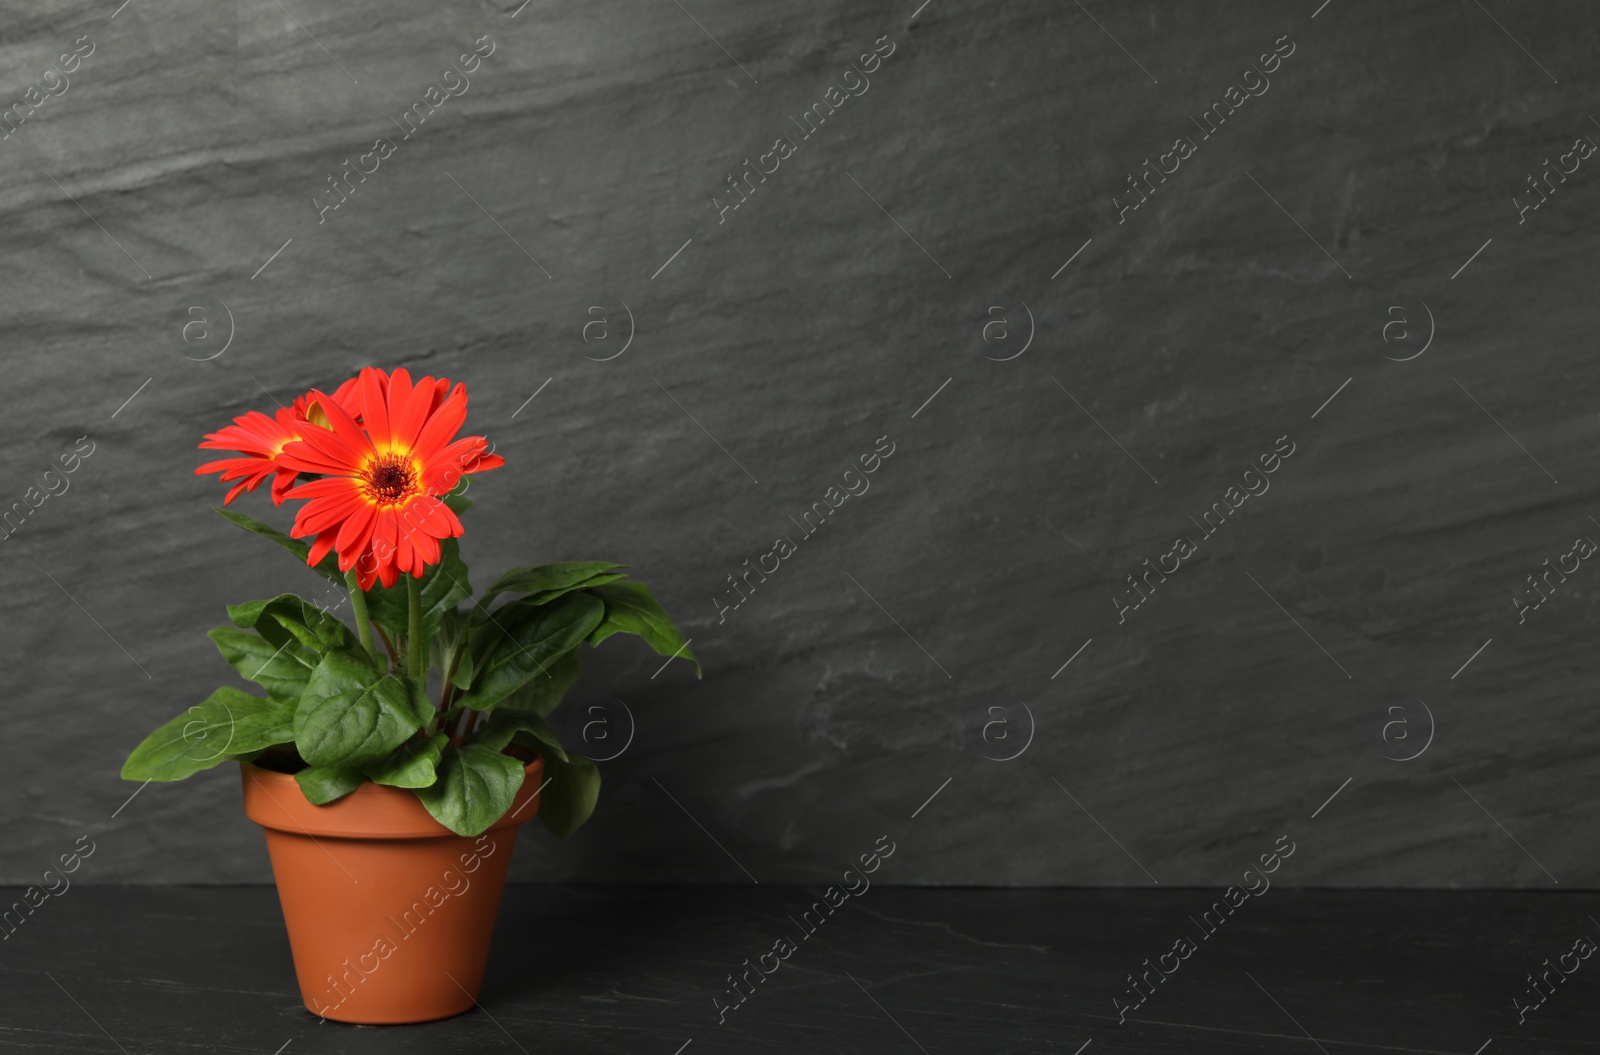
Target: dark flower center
x,y
391,479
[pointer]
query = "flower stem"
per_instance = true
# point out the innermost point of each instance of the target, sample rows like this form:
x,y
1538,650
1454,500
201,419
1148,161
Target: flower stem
x,y
358,604
416,648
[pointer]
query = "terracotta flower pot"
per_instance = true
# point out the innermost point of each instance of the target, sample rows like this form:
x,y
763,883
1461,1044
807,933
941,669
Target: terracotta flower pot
x,y
390,913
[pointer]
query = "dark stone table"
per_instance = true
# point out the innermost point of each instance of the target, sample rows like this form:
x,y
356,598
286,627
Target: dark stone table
x,y
893,971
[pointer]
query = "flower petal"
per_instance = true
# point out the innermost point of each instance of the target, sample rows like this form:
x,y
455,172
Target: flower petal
x,y
413,415
356,531
375,406
403,551
427,548
442,426
342,424
385,536
320,548
328,486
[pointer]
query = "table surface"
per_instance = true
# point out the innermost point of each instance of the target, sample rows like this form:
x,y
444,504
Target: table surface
x,y
894,971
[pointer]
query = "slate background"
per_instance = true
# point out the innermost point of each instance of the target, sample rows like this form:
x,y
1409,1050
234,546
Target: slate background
x,y
800,330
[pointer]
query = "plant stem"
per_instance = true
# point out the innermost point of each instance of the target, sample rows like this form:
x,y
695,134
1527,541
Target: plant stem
x,y
468,717
416,648
388,646
447,694
358,604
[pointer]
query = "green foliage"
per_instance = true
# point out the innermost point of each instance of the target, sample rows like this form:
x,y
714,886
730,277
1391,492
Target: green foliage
x,y
632,609
507,723
548,579
228,724
475,787
349,719
281,670
414,764
523,646
288,618
324,784
543,695
348,716
571,792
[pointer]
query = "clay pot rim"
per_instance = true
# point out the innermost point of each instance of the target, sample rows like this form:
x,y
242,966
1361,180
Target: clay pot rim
x,y
372,811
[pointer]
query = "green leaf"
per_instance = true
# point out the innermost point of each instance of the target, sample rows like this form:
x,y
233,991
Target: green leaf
x,y
323,784
465,669
230,723
524,647
289,615
349,716
281,669
329,568
451,653
542,695
475,788
452,631
444,586
573,786
458,503
542,578
632,609
412,765
546,596
506,723
249,617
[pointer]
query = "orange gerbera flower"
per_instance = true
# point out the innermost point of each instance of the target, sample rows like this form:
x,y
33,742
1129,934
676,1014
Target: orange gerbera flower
x,y
378,502
259,440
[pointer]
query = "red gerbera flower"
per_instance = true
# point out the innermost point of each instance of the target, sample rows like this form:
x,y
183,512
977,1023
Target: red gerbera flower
x,y
259,440
377,504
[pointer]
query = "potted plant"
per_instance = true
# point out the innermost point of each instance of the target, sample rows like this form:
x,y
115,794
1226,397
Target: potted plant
x,y
390,765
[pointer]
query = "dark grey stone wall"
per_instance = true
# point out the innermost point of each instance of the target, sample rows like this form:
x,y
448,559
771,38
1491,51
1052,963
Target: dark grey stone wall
x,y
1070,372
